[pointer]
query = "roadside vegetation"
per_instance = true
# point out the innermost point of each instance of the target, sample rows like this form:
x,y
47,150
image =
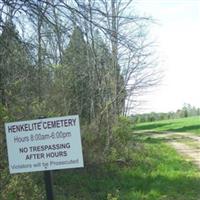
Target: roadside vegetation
x,y
142,168
155,172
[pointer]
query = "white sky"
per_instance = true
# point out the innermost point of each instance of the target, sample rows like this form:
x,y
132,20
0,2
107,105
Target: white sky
x,y
178,39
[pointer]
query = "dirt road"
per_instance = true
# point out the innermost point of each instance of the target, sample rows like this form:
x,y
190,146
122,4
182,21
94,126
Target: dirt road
x,y
187,144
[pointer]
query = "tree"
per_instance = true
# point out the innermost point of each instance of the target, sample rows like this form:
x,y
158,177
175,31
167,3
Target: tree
x,y
15,70
74,57
16,74
87,57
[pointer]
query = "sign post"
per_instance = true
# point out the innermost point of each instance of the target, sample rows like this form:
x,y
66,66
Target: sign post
x,y
48,181
49,185
44,145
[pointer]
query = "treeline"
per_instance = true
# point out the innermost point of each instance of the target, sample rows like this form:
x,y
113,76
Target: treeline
x,y
186,111
72,57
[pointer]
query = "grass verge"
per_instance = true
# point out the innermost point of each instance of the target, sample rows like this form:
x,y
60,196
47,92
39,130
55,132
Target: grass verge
x,y
156,173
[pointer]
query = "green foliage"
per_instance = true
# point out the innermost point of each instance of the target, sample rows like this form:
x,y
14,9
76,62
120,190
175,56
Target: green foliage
x,y
73,77
121,142
22,187
3,153
114,196
3,114
15,73
123,130
93,141
12,187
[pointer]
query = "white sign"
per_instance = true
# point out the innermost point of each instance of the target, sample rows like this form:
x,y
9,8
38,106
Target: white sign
x,y
44,144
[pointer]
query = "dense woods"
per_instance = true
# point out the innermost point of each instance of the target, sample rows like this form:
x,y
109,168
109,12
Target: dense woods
x,y
90,58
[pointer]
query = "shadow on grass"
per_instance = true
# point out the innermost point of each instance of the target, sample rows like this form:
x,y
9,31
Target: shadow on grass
x,y
185,128
158,140
96,183
160,125
147,138
179,188
149,133
151,126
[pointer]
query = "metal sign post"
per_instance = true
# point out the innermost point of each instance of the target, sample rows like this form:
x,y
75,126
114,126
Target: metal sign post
x,y
48,179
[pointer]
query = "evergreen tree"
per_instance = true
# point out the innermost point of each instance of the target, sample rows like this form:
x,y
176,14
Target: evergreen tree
x,y
72,77
15,71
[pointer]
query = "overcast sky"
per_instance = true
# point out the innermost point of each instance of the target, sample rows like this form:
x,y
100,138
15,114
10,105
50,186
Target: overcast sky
x,y
178,40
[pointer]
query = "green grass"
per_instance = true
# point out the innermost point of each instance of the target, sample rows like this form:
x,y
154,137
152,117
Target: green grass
x,y
190,124
156,173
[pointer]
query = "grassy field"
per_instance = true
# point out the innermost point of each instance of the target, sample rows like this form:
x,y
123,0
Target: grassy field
x,y
190,124
156,172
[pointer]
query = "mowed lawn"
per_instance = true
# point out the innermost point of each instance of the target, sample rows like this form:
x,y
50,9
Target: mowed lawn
x,y
190,124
